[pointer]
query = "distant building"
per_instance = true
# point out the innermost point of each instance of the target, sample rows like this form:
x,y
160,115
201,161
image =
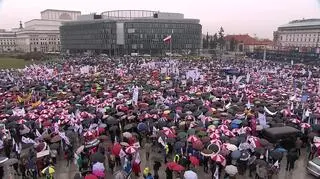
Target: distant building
x,y
131,31
302,35
246,43
38,35
7,41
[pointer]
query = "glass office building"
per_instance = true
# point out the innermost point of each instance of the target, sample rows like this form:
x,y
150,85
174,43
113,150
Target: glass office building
x,y
125,32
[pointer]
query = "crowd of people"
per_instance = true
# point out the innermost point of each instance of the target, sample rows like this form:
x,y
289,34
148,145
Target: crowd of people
x,y
108,116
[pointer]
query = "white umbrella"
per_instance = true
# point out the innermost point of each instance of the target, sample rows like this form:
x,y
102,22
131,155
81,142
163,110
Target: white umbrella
x,y
231,147
190,175
127,135
231,170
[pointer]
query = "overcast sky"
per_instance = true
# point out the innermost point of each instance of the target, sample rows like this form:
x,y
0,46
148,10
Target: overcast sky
x,y
260,17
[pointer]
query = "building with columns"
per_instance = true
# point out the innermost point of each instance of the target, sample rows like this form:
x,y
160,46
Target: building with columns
x,y
7,41
302,35
38,35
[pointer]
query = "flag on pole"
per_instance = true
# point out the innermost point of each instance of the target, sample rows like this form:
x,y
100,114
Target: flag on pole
x,y
167,39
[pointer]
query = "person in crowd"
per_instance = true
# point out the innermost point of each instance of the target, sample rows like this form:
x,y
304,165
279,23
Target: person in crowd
x,y
298,145
292,156
168,173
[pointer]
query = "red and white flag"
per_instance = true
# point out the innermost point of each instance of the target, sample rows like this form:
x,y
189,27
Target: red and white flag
x,y
167,39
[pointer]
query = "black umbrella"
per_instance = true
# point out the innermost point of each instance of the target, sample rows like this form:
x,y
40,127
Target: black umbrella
x,y
55,146
178,145
12,124
11,161
25,146
234,141
276,155
259,150
112,121
129,126
97,157
245,155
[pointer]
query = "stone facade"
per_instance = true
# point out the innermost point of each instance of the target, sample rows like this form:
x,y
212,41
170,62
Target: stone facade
x,y
7,41
40,35
298,34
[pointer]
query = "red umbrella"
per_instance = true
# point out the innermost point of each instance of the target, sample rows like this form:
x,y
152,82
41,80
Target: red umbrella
x,y
116,149
198,145
178,168
131,150
170,165
193,139
194,160
90,176
219,158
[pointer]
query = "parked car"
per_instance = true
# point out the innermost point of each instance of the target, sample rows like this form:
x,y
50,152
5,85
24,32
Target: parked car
x,y
313,167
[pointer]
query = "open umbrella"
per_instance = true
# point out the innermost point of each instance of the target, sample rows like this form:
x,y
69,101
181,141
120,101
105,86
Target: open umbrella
x,y
236,154
231,147
190,175
127,135
198,145
90,176
116,149
193,139
3,159
11,161
97,157
178,168
231,170
55,139
219,159
245,155
129,126
170,165
194,161
179,144
98,169
182,135
207,152
131,150
142,126
276,155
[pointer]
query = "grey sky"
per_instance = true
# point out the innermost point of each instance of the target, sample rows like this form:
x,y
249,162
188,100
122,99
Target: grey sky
x,y
260,17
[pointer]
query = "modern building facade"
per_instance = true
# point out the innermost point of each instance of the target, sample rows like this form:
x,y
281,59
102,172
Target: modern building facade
x,y
302,35
131,31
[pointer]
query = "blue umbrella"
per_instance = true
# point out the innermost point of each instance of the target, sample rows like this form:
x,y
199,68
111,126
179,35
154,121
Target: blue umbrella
x,y
280,149
236,154
142,126
236,121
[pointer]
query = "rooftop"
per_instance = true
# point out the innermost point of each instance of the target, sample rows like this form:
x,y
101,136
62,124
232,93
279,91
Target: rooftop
x,y
248,40
302,23
59,10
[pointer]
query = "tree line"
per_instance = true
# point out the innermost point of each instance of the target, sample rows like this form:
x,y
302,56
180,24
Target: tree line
x,y
214,41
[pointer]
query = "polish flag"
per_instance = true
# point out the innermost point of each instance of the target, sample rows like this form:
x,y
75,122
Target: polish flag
x,y
167,39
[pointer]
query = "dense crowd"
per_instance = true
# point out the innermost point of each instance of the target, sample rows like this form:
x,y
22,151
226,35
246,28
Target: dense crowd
x,y
183,115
